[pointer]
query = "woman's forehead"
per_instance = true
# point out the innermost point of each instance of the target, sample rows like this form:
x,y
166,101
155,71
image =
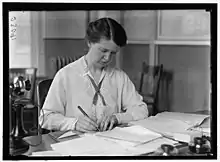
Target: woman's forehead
x,y
108,44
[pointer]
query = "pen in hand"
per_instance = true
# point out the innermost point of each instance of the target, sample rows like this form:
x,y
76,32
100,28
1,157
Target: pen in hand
x,y
84,113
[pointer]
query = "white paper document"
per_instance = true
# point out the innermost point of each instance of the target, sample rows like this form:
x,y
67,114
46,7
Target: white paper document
x,y
163,125
46,153
136,134
189,118
67,134
172,124
92,145
154,145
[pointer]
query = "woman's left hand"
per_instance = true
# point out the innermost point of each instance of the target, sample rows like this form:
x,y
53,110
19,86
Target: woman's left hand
x,y
107,122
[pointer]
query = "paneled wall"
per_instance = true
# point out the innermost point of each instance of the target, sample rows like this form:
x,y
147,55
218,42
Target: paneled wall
x,y
132,57
189,63
191,76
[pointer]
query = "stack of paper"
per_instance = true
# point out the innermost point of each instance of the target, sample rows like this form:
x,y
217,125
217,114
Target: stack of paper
x,y
190,119
119,142
135,134
172,124
92,145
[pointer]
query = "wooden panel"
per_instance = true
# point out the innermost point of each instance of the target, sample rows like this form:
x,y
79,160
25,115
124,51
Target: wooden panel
x,y
114,14
65,24
140,25
132,57
191,76
184,24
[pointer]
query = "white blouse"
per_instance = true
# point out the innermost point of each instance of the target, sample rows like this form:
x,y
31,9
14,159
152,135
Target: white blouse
x,y
71,87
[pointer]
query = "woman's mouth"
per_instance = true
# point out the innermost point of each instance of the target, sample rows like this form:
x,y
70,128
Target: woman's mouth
x,y
104,63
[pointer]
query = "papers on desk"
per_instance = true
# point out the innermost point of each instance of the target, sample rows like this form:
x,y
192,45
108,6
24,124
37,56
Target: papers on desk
x,y
117,142
92,145
172,124
141,137
135,134
67,134
190,119
46,153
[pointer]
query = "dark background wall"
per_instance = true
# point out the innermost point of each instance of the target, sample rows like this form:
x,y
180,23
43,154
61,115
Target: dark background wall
x,y
191,76
132,57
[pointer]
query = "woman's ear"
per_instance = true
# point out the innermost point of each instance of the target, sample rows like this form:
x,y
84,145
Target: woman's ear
x,y
89,44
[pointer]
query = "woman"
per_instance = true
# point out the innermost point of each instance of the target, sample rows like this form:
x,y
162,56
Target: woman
x,y
105,94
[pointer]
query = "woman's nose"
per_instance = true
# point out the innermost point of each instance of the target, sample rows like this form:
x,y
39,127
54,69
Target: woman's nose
x,y
107,57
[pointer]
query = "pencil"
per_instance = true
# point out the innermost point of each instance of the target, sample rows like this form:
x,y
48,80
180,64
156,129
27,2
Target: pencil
x,y
84,113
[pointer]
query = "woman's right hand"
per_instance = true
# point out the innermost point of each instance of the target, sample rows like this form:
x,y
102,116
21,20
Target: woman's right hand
x,y
84,124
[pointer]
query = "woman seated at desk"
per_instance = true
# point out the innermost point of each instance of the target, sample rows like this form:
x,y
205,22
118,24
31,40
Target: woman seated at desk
x,y
106,94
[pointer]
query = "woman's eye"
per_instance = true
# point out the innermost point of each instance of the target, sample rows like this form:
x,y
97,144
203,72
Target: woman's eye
x,y
104,50
113,53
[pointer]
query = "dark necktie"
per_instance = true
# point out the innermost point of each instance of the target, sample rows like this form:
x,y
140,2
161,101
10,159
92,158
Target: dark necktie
x,y
97,89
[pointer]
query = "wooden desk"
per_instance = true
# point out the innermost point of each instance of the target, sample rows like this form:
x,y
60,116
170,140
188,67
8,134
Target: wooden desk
x,y
43,146
47,140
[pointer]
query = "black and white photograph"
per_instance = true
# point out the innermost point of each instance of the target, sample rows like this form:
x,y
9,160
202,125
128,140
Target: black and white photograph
x,y
109,81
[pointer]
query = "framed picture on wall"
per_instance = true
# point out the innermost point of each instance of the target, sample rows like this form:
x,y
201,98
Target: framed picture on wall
x,y
186,25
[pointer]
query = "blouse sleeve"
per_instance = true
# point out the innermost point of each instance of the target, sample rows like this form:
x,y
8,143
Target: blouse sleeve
x,y
133,107
52,115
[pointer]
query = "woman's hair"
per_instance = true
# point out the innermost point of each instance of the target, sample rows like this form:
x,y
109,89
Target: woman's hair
x,y
106,28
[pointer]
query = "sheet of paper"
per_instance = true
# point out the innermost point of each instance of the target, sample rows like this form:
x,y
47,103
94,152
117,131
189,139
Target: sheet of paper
x,y
152,146
46,153
163,125
136,134
189,118
91,145
205,131
67,134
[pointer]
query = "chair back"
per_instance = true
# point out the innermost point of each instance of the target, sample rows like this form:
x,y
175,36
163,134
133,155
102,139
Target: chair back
x,y
150,82
42,90
150,79
27,73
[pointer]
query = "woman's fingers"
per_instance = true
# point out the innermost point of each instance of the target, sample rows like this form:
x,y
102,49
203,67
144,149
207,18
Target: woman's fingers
x,y
112,122
85,125
106,123
103,122
91,122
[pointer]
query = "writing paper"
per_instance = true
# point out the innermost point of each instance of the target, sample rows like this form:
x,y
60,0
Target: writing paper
x,y
91,145
189,118
46,153
67,134
163,125
136,134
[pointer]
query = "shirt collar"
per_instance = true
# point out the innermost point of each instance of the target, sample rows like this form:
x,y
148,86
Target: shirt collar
x,y
86,69
85,66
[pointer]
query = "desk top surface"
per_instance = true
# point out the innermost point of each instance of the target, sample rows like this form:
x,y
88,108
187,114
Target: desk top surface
x,y
47,140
